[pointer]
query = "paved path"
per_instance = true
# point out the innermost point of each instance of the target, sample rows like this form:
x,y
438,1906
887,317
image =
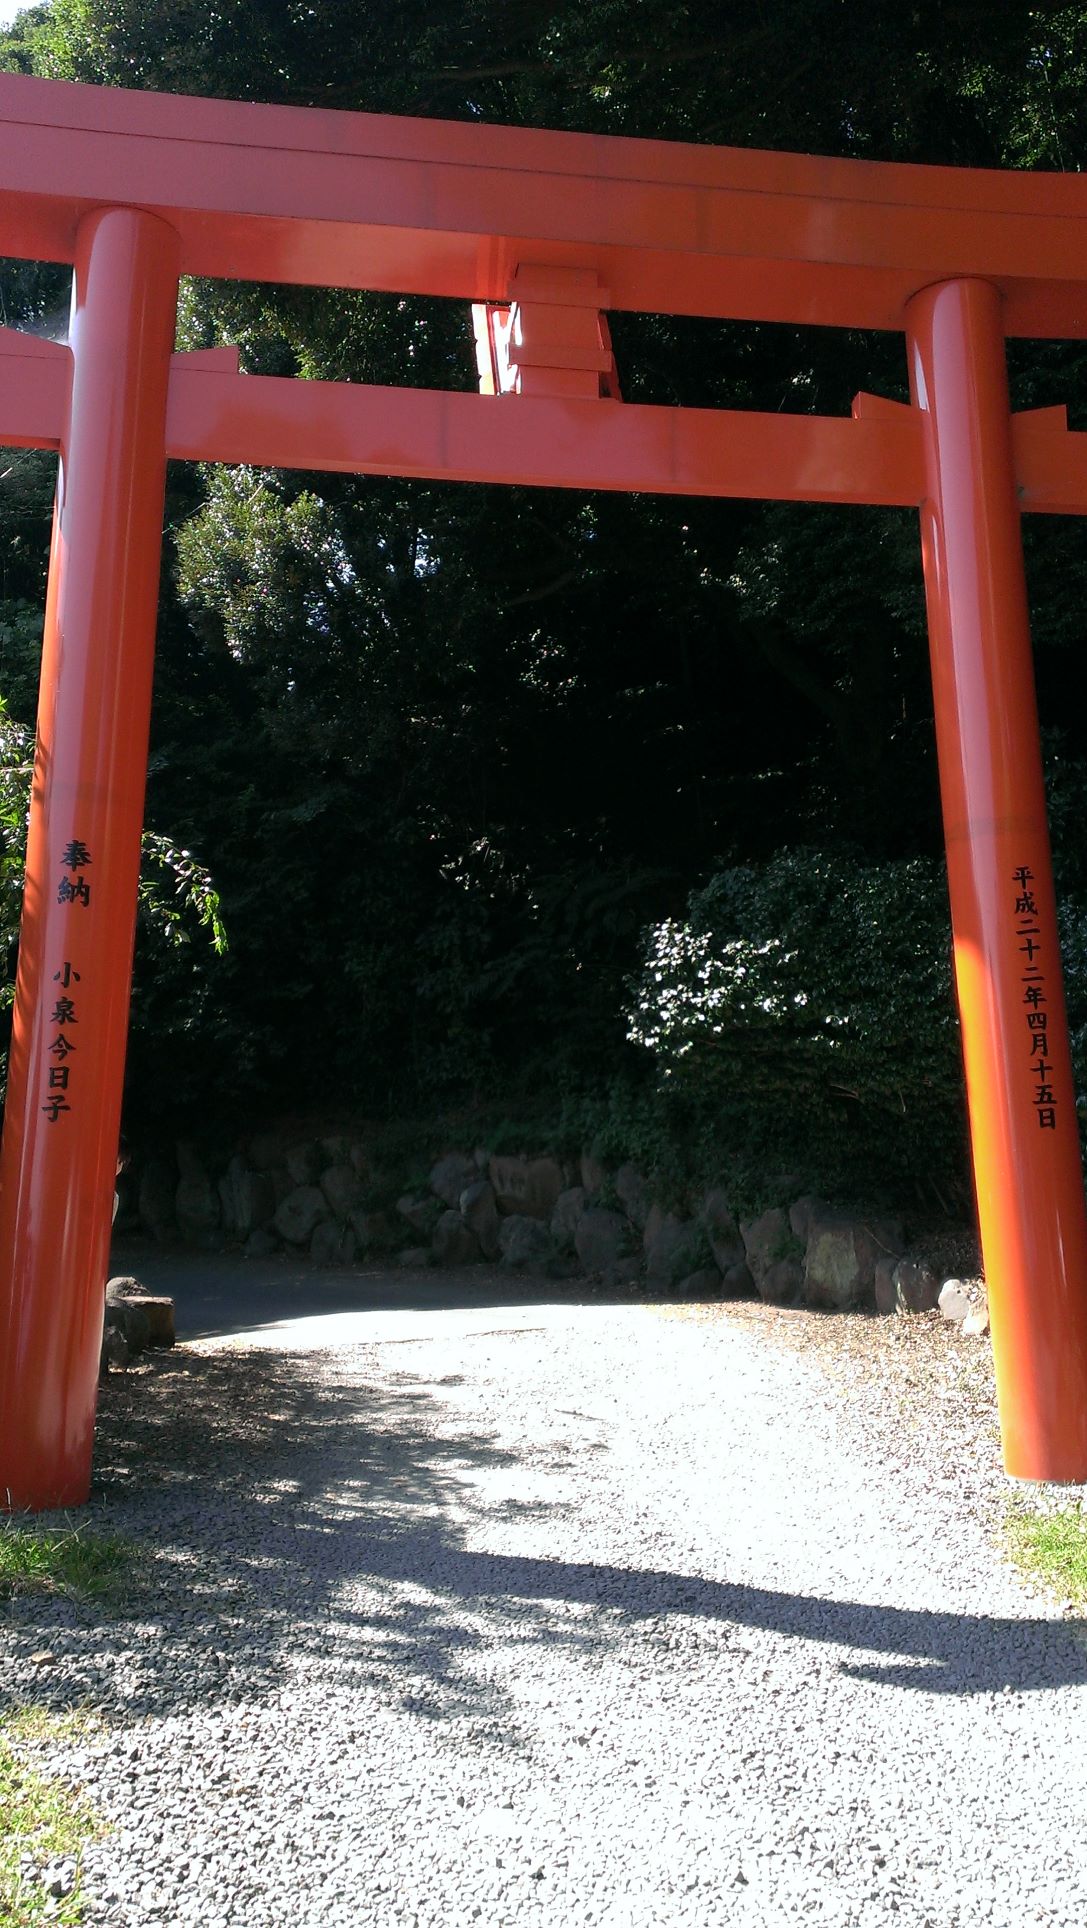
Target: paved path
x,y
504,1613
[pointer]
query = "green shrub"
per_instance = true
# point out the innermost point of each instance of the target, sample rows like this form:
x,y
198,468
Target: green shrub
x,y
802,1014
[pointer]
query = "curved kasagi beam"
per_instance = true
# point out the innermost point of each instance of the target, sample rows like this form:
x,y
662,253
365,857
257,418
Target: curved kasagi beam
x,y
442,208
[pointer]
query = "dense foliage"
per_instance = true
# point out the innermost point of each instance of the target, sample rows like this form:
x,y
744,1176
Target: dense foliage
x,y
810,999
451,752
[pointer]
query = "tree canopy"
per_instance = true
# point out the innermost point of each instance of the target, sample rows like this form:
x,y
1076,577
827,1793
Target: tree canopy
x,y
450,752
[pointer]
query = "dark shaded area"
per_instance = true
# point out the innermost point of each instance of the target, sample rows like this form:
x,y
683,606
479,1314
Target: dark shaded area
x,y
451,752
222,1297
265,1497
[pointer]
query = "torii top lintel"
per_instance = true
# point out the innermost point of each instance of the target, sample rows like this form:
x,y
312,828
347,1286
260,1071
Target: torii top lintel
x,y
445,208
484,214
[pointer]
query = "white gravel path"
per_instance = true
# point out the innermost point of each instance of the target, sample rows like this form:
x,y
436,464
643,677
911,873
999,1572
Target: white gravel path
x,y
569,1614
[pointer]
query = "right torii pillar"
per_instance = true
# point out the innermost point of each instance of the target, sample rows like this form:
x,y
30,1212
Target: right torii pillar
x,y
1007,962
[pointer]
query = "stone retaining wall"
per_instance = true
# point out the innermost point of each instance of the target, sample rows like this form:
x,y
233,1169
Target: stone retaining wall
x,y
540,1215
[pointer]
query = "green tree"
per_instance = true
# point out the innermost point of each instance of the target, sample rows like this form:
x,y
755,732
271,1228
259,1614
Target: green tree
x,y
450,750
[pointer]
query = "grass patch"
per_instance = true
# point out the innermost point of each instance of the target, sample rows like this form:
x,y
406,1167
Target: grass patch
x,y
1053,1548
63,1559
42,1823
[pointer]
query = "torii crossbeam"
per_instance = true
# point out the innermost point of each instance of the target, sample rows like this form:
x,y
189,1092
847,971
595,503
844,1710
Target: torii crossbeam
x,y
543,233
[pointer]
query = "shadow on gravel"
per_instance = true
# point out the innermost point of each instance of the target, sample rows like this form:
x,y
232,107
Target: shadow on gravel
x,y
312,1528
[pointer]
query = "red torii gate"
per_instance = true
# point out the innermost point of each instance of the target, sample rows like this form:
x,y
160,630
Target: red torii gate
x,y
545,232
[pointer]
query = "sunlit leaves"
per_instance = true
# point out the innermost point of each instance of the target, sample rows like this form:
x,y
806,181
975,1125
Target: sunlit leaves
x,y
266,563
812,996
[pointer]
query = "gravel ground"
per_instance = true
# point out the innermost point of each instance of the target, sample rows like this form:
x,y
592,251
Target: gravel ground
x,y
599,1614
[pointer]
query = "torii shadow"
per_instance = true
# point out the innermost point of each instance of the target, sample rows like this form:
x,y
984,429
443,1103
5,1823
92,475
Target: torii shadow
x,y
927,1651
278,1511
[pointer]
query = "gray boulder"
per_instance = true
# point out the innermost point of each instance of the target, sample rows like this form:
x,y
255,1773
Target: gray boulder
x,y
196,1208
332,1244
343,1189
189,1162
255,1202
767,1240
601,1238
625,1272
782,1283
226,1188
673,1247
593,1175
526,1243
841,1259
264,1150
916,1287
415,1257
262,1243
703,1284
227,1215
450,1177
453,1243
303,1162
147,1318
124,1286
801,1213
129,1318
721,1229
566,1217
247,1199
527,1187
158,1187
883,1285
298,1215
737,1283
422,1214
480,1214
373,1232
632,1191
957,1299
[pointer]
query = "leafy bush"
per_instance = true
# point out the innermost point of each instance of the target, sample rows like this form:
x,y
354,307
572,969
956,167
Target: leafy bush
x,y
803,1010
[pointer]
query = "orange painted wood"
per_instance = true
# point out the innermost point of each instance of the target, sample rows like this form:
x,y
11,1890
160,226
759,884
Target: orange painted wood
x,y
958,258
35,378
1022,1104
63,1109
359,429
549,442
449,208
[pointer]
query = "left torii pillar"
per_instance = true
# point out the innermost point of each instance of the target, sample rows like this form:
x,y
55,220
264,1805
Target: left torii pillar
x,y
63,1111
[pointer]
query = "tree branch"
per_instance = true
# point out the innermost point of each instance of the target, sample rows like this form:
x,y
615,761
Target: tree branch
x,y
548,589
624,56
